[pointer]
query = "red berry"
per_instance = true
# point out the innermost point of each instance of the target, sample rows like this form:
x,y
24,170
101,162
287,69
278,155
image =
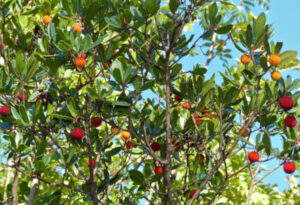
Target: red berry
x,y
177,146
186,105
177,98
253,156
158,170
96,121
77,134
299,128
201,158
93,163
289,167
192,193
4,110
129,145
155,146
286,103
290,121
22,97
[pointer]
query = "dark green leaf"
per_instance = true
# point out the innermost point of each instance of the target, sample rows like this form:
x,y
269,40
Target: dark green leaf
x,y
136,176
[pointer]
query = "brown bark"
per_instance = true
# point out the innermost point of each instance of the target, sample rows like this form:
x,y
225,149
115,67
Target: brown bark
x,y
14,190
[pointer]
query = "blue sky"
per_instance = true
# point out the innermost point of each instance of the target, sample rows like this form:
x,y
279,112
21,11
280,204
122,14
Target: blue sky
x,y
285,19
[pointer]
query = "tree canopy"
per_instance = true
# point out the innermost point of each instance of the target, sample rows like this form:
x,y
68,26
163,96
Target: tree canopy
x,y
97,108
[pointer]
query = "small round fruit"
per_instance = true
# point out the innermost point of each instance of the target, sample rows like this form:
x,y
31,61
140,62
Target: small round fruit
x,y
155,146
47,19
158,170
290,121
96,121
192,193
245,133
114,129
177,98
129,145
80,62
77,134
245,59
286,103
206,112
93,163
4,110
275,75
22,97
197,119
186,105
201,158
177,146
77,27
253,156
289,167
125,134
274,59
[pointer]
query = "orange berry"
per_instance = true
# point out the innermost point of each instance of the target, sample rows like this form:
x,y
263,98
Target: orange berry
x,y
275,75
80,62
245,59
125,134
197,119
245,133
274,59
77,27
114,129
201,158
47,19
186,105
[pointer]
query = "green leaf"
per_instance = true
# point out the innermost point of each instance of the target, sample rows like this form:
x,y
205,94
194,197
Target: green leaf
x,y
287,56
112,21
136,176
17,116
259,25
41,149
20,66
46,159
98,41
224,29
267,45
148,84
87,43
113,152
267,143
66,6
31,68
278,47
173,5
231,95
249,36
72,107
213,9
236,45
63,45
24,114
52,31
263,63
39,166
62,117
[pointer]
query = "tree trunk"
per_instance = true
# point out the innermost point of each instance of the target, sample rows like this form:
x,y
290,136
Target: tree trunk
x,y
32,192
15,184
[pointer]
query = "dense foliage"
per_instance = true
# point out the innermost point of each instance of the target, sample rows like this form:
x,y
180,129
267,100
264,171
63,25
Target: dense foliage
x,y
96,107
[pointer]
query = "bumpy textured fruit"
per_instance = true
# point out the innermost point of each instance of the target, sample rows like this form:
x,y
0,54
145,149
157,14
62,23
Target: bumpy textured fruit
x,y
177,98
77,27
125,134
197,119
186,105
245,133
286,103
96,121
253,156
22,97
4,110
276,75
47,19
77,134
290,121
289,167
274,59
245,59
158,170
114,129
177,146
201,158
192,193
93,163
206,112
129,145
80,62
155,146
